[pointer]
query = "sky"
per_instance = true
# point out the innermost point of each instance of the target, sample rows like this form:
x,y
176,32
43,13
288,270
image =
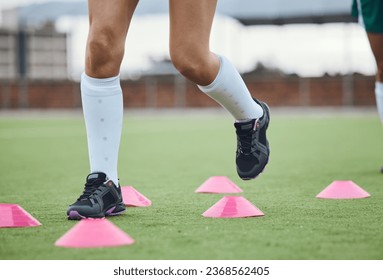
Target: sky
x,y
305,49
15,3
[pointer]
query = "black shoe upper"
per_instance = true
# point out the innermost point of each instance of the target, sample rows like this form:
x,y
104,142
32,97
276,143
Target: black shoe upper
x,y
252,146
93,181
101,197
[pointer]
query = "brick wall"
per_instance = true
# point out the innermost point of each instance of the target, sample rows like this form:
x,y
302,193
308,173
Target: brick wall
x,y
169,92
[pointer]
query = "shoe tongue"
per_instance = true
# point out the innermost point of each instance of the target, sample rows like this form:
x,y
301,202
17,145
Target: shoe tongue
x,y
96,176
245,125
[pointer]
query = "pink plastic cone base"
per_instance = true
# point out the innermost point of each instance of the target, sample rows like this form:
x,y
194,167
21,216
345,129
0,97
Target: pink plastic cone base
x,y
13,215
343,190
218,184
233,207
92,233
133,198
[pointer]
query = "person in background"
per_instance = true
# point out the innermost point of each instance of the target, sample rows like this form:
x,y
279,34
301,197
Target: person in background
x,y
370,15
101,95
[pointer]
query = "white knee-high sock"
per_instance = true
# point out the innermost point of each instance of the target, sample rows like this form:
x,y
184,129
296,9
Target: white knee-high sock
x,y
103,112
229,90
379,98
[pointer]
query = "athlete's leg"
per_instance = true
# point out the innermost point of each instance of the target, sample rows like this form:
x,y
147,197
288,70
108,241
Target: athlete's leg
x,y
370,15
376,43
190,26
102,104
100,85
108,26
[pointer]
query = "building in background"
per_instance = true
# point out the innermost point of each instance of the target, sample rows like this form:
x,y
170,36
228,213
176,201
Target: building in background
x,y
35,60
33,54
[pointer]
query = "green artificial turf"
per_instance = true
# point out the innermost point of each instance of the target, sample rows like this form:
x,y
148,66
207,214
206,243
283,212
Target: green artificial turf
x,y
44,161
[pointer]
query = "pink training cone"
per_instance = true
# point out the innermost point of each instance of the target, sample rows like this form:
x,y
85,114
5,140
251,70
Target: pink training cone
x,y
13,215
133,198
343,190
92,233
218,184
233,207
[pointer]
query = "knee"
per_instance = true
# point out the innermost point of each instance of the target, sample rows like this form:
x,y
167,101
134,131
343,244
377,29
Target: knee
x,y
186,64
194,66
104,54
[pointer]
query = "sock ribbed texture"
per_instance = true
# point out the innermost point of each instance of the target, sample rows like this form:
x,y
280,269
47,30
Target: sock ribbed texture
x,y
103,111
230,91
379,98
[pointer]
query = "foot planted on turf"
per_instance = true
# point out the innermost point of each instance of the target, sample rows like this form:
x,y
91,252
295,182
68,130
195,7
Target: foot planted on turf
x,y
101,198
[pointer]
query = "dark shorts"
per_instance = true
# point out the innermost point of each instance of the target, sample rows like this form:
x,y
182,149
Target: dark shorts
x,y
370,13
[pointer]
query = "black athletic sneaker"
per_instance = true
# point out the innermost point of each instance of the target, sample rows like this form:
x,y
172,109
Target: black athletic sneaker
x,y
100,198
252,146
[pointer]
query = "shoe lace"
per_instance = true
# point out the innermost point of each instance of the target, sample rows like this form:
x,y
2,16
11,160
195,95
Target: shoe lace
x,y
245,141
89,189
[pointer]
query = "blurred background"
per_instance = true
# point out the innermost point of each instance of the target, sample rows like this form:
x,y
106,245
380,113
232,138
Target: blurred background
x,y
295,53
